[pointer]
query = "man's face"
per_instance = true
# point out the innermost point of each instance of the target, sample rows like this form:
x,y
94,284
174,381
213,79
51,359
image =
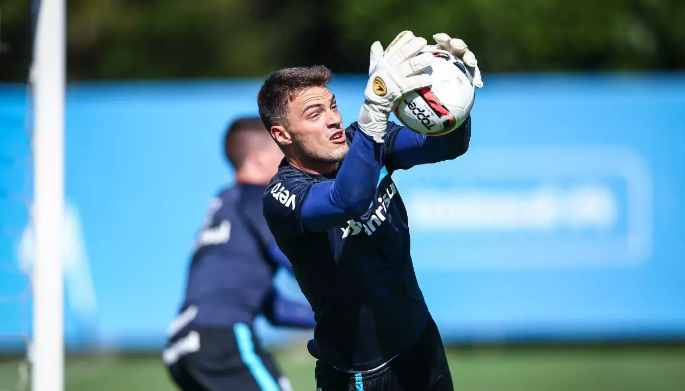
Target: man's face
x,y
315,127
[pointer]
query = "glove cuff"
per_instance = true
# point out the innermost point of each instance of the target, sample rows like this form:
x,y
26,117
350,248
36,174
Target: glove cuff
x,y
373,123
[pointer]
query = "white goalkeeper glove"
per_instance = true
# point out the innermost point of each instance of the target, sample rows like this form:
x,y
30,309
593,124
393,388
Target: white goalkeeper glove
x,y
459,49
392,73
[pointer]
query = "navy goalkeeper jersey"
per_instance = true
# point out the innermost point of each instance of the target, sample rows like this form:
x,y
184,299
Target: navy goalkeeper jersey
x,y
358,274
233,263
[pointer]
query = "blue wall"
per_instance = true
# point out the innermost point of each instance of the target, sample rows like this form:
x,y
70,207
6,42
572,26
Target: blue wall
x,y
565,220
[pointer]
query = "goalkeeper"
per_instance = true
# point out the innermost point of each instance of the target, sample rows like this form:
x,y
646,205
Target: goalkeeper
x,y
336,213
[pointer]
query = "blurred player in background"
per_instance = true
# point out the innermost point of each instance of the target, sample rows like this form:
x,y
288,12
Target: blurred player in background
x,y
338,217
212,345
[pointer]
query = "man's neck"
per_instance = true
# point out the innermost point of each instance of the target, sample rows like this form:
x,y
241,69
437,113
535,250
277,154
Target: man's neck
x,y
247,178
313,167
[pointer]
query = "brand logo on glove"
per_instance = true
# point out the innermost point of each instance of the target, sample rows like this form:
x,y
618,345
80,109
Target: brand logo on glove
x,y
379,87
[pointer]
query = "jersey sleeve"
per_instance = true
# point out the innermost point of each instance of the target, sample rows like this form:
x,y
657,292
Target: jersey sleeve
x,y
406,148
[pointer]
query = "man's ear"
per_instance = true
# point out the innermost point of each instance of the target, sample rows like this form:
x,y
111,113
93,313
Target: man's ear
x,y
281,135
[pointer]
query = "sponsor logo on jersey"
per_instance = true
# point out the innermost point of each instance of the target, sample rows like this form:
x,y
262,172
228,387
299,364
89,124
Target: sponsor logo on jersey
x,y
280,193
376,219
215,235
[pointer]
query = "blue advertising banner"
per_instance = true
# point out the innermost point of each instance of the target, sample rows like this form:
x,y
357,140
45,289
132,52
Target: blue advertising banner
x,y
565,219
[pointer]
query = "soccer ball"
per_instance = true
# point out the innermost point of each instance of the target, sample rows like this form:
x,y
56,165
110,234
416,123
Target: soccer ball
x,y
446,104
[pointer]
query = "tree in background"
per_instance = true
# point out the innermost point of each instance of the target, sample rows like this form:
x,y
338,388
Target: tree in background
x,y
161,39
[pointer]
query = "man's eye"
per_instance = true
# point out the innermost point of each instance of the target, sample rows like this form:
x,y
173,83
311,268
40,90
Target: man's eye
x,y
313,115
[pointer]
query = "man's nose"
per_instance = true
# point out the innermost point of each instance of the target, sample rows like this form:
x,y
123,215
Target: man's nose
x,y
334,120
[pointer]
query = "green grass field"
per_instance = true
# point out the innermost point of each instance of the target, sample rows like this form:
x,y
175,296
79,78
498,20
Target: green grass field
x,y
474,369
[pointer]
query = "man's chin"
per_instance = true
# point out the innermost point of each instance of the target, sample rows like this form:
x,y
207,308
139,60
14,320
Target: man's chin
x,y
341,152
332,156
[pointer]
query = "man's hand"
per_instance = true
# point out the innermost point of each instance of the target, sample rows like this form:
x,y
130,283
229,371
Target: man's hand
x,y
392,73
459,49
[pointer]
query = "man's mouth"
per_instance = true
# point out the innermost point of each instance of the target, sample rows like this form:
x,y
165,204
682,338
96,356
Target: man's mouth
x,y
338,137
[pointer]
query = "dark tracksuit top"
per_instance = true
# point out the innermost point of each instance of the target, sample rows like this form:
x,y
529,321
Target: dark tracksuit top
x,y
346,235
233,264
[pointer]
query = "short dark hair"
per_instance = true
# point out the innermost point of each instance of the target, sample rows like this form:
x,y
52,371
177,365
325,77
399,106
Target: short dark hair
x,y
282,86
243,135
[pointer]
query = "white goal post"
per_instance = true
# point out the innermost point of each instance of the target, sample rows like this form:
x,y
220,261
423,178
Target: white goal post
x,y
46,352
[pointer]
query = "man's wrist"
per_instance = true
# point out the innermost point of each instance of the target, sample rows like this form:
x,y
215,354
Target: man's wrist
x,y
373,122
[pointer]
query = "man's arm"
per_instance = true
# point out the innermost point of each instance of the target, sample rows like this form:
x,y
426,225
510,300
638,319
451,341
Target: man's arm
x,y
408,148
283,312
334,202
